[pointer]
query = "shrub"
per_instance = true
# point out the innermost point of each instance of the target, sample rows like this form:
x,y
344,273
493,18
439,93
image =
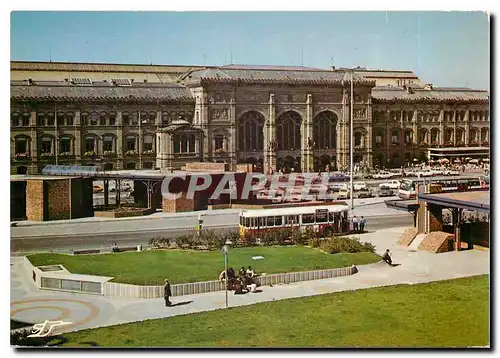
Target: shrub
x,y
314,242
335,245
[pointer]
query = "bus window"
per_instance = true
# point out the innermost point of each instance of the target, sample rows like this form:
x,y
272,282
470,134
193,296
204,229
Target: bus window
x,y
278,220
307,218
270,221
247,222
330,217
261,222
291,220
337,217
321,217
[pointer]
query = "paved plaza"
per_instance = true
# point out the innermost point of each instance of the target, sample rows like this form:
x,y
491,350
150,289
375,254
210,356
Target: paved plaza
x,y
30,304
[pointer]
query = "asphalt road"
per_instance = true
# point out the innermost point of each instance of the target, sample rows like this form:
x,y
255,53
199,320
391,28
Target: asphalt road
x,y
68,241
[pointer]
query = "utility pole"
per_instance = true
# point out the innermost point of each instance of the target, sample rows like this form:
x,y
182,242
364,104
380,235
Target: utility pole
x,y
352,138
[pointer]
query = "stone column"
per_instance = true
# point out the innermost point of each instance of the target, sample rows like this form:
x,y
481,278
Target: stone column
x,y
34,137
204,115
119,140
307,152
270,138
78,136
232,135
441,127
389,138
454,127
415,127
467,127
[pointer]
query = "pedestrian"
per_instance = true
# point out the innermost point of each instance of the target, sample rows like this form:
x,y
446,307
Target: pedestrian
x,y
362,223
167,294
115,248
355,223
387,257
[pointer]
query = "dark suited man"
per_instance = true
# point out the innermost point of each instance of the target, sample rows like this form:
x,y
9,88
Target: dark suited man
x,y
167,294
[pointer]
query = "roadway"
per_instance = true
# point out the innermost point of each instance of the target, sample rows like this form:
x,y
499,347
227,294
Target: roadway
x,y
90,233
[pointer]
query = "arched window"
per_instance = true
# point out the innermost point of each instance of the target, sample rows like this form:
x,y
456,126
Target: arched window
x,y
60,119
70,118
251,134
102,118
184,143
46,145
90,144
50,119
112,119
324,130
379,138
126,118
358,139
152,117
21,145
395,136
40,119
65,145
422,133
108,143
84,116
288,131
409,136
435,136
148,142
15,120
130,143
26,119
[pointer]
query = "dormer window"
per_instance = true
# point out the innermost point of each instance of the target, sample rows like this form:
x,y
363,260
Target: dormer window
x,y
81,81
121,82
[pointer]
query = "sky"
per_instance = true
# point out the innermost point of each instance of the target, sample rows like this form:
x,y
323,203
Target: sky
x,y
442,48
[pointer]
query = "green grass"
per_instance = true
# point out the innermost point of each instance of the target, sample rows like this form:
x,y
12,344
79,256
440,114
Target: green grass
x,y
152,267
452,313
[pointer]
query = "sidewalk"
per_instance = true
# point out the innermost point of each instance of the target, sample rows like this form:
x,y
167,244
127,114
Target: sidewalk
x,y
88,311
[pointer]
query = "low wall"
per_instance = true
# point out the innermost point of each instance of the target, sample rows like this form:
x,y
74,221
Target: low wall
x,y
55,280
113,289
122,214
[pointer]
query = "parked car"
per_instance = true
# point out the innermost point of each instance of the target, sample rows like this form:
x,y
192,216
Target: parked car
x,y
392,184
385,191
343,194
365,193
358,185
382,175
98,189
337,186
451,172
424,173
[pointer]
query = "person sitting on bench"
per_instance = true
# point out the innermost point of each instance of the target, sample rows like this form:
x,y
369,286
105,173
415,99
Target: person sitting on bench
x,y
387,257
115,248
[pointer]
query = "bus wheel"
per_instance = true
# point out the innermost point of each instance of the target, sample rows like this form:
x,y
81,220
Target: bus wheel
x,y
327,232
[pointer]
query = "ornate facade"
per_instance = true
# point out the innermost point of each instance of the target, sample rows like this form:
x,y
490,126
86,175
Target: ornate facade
x,y
135,117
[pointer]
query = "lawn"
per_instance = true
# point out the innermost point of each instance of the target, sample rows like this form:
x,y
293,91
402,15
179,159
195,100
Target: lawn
x,y
152,267
452,313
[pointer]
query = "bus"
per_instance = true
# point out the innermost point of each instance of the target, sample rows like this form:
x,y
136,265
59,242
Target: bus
x,y
325,219
407,189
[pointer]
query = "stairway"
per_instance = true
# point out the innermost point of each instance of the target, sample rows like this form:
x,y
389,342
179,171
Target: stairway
x,y
417,241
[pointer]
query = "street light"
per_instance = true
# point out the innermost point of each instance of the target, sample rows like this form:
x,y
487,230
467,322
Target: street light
x,y
352,138
225,250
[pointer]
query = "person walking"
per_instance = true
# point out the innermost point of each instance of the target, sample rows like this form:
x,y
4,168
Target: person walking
x,y
167,294
355,223
362,223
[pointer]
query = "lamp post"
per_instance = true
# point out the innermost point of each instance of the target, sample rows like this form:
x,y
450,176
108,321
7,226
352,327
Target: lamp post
x,y
225,250
352,139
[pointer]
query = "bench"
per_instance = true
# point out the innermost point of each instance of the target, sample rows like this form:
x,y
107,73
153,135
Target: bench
x,y
130,248
86,252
